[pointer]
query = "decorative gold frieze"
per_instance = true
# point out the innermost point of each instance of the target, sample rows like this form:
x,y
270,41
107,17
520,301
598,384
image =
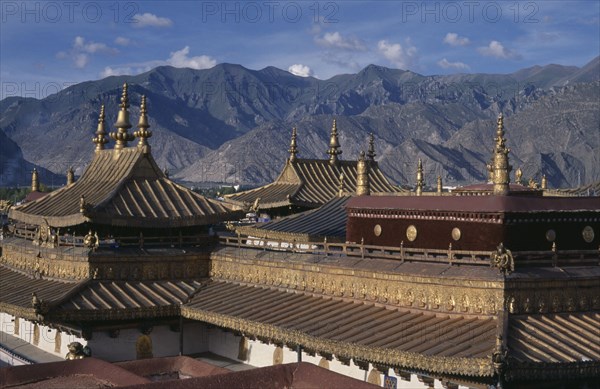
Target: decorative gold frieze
x,y
552,296
46,262
451,295
77,263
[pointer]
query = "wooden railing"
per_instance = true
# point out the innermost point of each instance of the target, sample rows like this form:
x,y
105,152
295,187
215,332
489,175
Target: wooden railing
x,y
449,256
362,250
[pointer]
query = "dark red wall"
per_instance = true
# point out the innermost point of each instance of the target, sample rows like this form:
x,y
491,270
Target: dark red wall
x,y
516,235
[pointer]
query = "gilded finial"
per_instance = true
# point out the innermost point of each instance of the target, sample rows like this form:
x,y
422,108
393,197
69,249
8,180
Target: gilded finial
x,y
334,145
35,181
70,176
500,167
121,137
100,138
293,146
544,182
371,151
362,176
82,204
439,185
143,133
420,180
341,185
519,176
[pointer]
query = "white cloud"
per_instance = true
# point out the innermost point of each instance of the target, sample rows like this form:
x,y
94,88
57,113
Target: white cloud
x,y
177,59
121,41
300,70
497,50
108,71
81,60
180,59
403,57
453,39
336,40
81,45
80,51
150,20
444,63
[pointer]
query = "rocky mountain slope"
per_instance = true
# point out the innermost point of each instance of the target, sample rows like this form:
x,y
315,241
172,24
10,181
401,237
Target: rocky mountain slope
x,y
232,124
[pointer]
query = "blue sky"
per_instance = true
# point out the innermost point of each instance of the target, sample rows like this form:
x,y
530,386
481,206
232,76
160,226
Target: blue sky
x,y
46,46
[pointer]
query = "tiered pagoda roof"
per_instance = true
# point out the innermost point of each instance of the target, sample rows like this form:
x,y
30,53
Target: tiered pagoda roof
x,y
123,187
312,182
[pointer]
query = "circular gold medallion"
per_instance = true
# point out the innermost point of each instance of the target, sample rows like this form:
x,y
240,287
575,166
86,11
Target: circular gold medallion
x,y
456,233
588,234
411,233
550,235
377,230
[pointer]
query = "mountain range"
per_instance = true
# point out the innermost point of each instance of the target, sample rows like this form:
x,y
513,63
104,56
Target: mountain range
x,y
230,124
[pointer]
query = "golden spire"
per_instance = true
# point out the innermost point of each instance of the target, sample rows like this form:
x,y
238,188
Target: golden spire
x,y
371,151
544,182
143,133
100,139
439,185
419,177
35,181
334,145
362,176
500,166
293,146
70,176
341,185
121,137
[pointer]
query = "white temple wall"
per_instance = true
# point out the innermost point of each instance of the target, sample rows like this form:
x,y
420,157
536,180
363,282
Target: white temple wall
x,y
123,347
47,335
165,342
260,355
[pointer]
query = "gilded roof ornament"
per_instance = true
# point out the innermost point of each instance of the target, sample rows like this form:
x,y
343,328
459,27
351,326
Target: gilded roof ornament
x,y
439,185
100,138
362,176
544,182
341,185
121,137
420,180
82,204
519,176
293,146
70,175
143,133
334,145
499,165
371,151
35,181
